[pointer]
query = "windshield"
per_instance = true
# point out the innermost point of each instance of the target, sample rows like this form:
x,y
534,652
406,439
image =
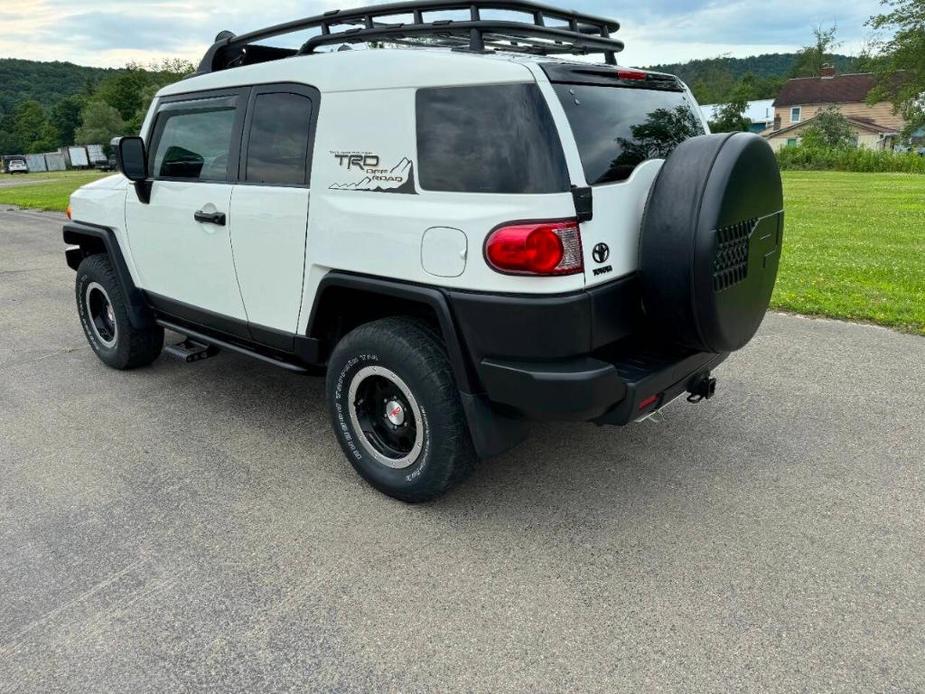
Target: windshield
x,y
617,129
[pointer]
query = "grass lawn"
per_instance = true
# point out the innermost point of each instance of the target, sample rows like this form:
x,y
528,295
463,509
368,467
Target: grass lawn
x,y
49,191
854,243
854,247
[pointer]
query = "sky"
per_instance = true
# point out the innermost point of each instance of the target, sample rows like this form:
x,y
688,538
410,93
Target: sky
x,y
110,33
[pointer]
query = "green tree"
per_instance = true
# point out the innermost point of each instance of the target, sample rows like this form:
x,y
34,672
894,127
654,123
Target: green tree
x,y
9,140
100,122
900,67
172,69
123,90
32,129
714,82
730,118
65,116
753,87
161,74
811,58
829,130
133,125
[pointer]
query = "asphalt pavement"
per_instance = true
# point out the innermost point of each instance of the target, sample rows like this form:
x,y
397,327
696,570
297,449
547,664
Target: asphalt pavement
x,y
15,182
197,527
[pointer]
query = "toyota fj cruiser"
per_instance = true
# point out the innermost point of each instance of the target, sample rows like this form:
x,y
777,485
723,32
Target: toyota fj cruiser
x,y
468,228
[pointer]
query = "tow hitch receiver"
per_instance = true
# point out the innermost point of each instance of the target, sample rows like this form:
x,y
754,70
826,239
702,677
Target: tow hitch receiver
x,y
702,387
190,351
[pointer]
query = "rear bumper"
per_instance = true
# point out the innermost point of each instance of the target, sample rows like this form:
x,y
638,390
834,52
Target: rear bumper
x,y
587,388
580,356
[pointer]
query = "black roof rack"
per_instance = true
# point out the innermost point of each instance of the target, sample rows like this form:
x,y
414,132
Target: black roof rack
x,y
576,34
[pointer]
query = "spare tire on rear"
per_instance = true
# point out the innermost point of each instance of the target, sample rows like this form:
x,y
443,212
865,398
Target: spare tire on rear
x,y
710,241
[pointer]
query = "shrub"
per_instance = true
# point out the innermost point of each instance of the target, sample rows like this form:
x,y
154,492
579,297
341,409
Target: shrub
x,y
830,129
809,158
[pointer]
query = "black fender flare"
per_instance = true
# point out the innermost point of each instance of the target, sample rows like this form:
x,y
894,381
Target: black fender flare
x,y
92,238
428,296
492,432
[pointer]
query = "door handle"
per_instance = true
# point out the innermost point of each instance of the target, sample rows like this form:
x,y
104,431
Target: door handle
x,y
210,217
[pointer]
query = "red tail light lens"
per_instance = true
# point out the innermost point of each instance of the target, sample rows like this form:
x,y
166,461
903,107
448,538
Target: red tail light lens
x,y
630,74
536,248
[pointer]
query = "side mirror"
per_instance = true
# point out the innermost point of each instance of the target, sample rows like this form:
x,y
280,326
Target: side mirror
x,y
132,158
132,161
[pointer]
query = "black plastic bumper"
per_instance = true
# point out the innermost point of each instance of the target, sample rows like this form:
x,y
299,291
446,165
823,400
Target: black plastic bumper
x,y
587,388
580,356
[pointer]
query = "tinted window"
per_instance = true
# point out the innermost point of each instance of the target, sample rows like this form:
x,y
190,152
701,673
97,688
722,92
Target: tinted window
x,y
617,129
488,139
193,144
277,151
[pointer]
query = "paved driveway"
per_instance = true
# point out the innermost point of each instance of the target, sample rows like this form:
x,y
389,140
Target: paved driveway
x,y
189,526
14,181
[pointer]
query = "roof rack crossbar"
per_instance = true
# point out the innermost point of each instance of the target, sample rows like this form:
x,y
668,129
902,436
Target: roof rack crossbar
x,y
578,34
583,43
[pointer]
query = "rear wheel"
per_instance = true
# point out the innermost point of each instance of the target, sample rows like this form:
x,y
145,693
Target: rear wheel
x,y
396,411
104,317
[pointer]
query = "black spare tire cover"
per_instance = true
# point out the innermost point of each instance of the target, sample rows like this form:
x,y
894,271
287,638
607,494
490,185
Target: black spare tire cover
x,y
710,241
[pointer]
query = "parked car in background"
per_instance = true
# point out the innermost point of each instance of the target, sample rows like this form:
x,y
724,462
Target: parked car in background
x,y
108,164
14,166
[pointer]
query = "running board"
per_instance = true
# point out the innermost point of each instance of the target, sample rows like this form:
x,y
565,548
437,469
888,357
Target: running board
x,y
193,335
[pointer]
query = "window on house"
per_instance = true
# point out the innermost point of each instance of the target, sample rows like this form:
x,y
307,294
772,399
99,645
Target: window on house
x,y
795,114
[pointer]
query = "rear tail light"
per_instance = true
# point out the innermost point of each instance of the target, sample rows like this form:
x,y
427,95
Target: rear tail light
x,y
536,248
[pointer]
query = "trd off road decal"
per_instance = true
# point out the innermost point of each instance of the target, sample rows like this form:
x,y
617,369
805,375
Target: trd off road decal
x,y
370,172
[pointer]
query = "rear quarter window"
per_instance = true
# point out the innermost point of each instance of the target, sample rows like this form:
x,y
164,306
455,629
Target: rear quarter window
x,y
617,128
488,139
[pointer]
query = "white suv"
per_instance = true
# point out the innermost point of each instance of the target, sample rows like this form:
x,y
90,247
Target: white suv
x,y
466,231
16,166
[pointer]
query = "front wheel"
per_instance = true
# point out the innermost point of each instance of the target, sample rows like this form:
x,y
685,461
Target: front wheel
x,y
104,317
396,411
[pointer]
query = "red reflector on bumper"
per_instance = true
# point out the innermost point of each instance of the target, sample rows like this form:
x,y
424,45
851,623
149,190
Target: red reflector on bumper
x,y
651,400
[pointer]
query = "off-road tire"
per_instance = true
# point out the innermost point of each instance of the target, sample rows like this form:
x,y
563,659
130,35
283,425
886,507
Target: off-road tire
x,y
131,347
414,354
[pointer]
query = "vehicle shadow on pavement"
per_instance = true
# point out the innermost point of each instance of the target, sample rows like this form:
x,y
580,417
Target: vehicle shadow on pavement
x,y
568,469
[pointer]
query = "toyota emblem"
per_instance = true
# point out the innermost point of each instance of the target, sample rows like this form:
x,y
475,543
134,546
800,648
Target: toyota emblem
x,y
600,252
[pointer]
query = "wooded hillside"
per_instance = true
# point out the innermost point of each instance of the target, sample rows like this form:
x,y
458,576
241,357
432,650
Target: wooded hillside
x,y
47,83
715,80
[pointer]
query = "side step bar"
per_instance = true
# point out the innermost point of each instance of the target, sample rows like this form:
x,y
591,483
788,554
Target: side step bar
x,y
190,351
216,342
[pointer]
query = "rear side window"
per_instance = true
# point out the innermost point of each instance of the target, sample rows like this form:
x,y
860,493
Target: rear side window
x,y
488,139
193,144
277,146
617,129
